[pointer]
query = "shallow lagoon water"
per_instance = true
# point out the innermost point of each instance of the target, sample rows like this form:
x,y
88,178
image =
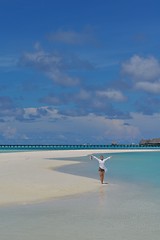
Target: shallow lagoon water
x,y
126,208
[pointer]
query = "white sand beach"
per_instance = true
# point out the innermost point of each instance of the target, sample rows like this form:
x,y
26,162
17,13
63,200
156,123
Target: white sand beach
x,y
127,209
32,176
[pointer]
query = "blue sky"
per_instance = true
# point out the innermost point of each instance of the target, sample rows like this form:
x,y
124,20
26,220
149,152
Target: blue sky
x,y
74,72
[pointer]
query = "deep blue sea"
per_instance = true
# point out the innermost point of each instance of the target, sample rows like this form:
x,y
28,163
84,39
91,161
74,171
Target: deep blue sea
x,y
127,208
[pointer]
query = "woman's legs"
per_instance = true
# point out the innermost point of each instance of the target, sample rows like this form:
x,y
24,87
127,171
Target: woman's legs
x,y
101,174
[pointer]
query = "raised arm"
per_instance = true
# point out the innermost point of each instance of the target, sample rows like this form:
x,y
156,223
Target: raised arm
x,y
92,156
105,159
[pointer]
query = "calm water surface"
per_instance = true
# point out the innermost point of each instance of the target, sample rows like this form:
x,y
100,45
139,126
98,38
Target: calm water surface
x,y
127,208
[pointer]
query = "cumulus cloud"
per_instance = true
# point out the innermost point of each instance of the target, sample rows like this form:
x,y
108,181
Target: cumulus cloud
x,y
112,94
56,66
53,65
144,73
104,130
85,101
10,113
89,128
153,87
144,69
149,129
119,130
34,114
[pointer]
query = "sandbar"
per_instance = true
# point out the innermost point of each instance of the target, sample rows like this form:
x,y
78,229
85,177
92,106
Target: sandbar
x,y
27,177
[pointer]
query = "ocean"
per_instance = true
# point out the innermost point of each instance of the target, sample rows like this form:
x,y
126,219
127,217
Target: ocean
x,y
126,208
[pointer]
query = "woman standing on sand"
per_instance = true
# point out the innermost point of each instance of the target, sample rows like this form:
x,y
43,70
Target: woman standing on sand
x,y
102,169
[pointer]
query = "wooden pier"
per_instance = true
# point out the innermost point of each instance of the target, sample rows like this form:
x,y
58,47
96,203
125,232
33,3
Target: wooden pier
x,y
72,147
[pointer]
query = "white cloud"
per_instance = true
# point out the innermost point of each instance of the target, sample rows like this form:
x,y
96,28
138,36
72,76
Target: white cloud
x,y
29,114
62,78
143,69
147,124
99,128
80,129
40,113
145,73
112,94
122,132
152,87
56,66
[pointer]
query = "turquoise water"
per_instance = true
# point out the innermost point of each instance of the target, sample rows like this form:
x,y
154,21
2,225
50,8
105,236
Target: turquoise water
x,y
137,167
127,208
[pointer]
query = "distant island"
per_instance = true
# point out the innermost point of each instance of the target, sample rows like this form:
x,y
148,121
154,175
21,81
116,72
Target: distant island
x,y
154,141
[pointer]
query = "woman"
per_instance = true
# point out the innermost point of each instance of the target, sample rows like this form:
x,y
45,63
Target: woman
x,y
102,169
